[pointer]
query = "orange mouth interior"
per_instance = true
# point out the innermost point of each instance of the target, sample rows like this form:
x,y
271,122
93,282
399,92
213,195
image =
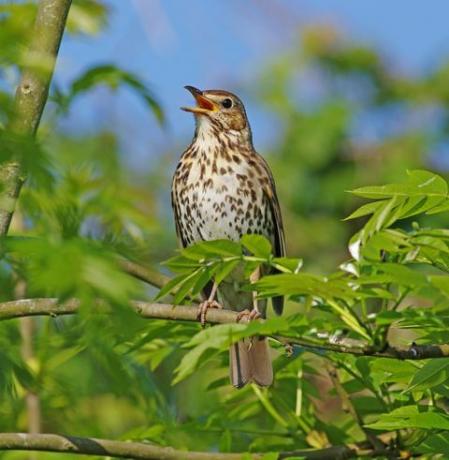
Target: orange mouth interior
x,y
204,103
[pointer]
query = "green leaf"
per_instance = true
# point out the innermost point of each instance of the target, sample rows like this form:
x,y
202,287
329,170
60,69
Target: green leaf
x,y
330,291
270,456
170,286
364,210
212,249
61,357
422,192
300,284
419,183
287,264
113,77
181,264
442,207
86,17
382,371
408,417
216,338
226,441
433,373
441,282
187,285
224,269
201,281
435,443
402,274
257,245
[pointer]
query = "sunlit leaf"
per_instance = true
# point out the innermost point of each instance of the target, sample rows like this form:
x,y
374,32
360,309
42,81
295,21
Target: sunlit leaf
x,y
411,417
257,245
431,374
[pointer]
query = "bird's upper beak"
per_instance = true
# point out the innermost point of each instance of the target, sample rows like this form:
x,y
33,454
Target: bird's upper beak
x,y
205,105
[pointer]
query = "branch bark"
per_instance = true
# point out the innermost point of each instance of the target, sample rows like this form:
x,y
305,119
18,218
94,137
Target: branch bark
x,y
27,333
31,96
147,451
52,307
148,275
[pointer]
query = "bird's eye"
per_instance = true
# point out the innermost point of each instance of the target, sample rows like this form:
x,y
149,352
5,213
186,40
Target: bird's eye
x,y
227,103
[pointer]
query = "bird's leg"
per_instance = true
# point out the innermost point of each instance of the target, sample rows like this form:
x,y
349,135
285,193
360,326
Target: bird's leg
x,y
254,313
255,276
209,303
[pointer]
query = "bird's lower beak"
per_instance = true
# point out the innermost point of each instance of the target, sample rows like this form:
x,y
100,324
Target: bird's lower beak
x,y
205,105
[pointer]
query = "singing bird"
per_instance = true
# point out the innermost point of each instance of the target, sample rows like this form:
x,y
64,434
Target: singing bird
x,y
223,189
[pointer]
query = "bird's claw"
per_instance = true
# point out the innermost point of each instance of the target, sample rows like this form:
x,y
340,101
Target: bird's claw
x,y
202,310
250,315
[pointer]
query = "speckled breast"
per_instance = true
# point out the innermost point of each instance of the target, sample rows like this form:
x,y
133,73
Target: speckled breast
x,y
220,196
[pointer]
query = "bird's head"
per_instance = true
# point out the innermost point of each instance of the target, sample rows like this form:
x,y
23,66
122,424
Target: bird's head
x,y
219,109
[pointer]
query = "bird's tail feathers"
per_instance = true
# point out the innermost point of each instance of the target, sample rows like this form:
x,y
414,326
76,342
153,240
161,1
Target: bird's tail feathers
x,y
249,359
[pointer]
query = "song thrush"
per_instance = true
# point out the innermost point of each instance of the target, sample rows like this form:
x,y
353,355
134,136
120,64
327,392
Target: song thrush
x,y
223,189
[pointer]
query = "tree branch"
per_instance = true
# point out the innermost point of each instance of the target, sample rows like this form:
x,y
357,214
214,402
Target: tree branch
x,y
52,307
147,451
145,274
31,96
150,276
27,334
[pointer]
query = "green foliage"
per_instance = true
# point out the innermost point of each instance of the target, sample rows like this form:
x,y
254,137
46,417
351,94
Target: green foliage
x,y
118,376
328,94
199,264
422,193
411,417
113,77
16,20
377,296
87,17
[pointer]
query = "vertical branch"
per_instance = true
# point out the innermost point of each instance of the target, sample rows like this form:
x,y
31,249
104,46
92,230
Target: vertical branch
x,y
32,400
31,96
27,331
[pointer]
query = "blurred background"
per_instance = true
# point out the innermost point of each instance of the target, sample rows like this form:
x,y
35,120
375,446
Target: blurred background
x,y
339,95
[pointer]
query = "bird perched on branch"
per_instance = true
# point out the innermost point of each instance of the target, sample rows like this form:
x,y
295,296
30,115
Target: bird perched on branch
x,y
223,189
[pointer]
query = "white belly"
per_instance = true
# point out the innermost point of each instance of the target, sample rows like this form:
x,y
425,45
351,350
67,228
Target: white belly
x,y
225,210
220,195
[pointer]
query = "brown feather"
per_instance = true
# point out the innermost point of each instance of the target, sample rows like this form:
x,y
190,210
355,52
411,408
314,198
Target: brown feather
x,y
279,237
239,364
260,362
250,361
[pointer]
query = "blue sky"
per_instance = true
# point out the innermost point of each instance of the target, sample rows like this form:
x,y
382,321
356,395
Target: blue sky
x,y
223,44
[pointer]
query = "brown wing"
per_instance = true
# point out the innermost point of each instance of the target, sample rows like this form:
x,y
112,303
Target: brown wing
x,y
279,237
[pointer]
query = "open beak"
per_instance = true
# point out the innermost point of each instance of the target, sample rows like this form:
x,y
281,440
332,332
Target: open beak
x,y
205,105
